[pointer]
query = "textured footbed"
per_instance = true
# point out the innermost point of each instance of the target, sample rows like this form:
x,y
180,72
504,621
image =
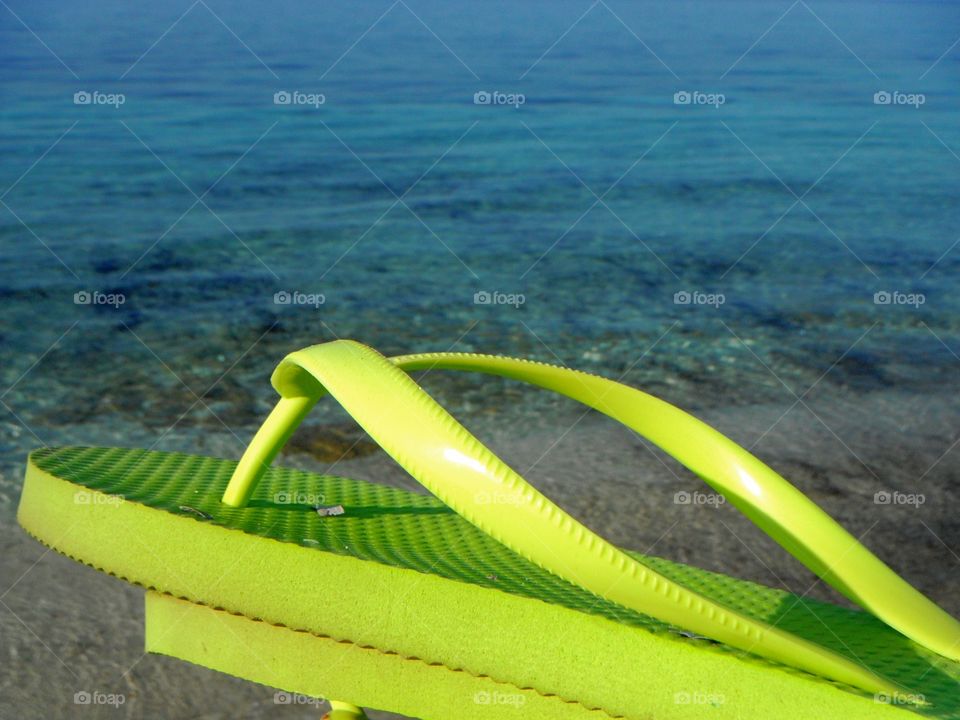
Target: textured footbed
x,y
418,594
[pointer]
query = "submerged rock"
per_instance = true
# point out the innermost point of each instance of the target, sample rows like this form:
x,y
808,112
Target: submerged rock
x,y
330,443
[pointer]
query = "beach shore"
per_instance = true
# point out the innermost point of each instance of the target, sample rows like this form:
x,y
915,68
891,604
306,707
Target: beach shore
x,y
69,629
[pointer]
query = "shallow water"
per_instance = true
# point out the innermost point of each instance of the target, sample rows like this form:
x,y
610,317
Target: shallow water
x,y
786,215
796,200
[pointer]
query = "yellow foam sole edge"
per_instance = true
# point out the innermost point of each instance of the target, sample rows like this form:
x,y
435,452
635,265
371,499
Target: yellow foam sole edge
x,y
318,667
337,626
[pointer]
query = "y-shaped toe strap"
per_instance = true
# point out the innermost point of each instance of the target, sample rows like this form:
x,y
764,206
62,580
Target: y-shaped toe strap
x,y
456,467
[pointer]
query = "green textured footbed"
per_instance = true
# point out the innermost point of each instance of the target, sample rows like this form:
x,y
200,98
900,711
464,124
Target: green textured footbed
x,y
402,574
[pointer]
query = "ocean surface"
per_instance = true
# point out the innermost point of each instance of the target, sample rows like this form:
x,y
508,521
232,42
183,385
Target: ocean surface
x,y
704,199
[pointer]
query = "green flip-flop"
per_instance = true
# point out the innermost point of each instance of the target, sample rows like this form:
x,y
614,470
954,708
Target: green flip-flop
x,y
488,600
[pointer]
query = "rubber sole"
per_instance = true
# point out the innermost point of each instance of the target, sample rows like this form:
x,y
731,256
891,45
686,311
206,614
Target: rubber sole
x,y
317,667
422,597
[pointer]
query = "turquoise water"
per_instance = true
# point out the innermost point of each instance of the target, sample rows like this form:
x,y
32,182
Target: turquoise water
x,y
199,198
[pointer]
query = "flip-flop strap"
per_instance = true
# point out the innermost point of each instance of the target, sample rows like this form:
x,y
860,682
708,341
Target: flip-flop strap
x,y
456,467
781,510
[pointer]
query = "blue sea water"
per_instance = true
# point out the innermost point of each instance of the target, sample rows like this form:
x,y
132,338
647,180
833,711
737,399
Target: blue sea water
x,y
780,200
